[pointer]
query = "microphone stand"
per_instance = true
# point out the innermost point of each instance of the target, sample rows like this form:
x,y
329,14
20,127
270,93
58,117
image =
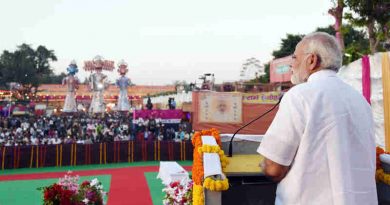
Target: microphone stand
x,y
231,140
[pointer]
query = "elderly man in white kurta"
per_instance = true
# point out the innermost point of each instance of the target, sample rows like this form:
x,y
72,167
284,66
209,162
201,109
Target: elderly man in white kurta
x,y
320,146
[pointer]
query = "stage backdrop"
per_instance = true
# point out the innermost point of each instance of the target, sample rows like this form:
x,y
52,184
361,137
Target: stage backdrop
x,y
218,107
249,111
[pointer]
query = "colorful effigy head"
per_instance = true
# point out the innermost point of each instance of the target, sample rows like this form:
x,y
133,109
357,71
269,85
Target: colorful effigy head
x,y
72,68
122,68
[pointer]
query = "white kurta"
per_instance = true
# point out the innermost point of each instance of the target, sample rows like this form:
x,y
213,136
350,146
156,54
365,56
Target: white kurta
x,y
324,129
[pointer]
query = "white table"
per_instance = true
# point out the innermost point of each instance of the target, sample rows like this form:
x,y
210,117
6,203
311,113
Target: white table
x,y
170,172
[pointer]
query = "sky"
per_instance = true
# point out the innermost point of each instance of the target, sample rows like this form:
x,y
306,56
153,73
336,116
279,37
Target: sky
x,y
162,41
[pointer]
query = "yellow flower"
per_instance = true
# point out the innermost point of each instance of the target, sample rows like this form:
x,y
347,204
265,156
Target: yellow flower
x,y
218,186
200,150
212,185
225,184
197,195
206,182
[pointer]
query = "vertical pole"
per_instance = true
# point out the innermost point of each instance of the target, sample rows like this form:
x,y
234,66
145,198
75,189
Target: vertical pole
x,y
10,99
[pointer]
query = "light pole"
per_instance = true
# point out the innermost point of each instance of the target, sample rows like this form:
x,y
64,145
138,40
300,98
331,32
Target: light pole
x,y
10,99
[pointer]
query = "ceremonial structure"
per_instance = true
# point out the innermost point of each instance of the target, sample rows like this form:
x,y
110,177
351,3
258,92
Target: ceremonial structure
x,y
71,83
123,82
98,82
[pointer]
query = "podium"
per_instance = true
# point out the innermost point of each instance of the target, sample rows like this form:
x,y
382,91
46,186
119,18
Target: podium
x,y
248,184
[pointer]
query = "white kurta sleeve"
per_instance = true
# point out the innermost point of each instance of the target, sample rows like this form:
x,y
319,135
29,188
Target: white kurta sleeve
x,y
281,141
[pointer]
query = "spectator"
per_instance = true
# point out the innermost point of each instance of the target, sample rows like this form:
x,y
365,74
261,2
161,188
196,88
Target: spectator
x,y
173,104
149,104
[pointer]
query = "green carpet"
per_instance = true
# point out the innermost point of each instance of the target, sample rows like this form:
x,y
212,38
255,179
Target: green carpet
x,y
24,191
85,167
155,187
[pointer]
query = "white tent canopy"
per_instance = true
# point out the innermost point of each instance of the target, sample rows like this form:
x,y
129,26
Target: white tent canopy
x,y
352,74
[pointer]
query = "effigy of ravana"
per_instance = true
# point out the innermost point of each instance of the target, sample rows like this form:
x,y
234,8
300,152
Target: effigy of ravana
x,y
123,82
98,82
71,82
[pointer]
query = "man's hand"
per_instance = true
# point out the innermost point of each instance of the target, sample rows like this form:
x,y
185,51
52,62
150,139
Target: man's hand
x,y
274,170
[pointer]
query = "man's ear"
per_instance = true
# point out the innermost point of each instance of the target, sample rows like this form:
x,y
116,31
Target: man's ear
x,y
314,62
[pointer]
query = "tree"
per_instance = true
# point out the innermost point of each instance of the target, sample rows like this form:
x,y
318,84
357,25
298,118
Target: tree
x,y
43,56
355,41
287,46
337,13
26,66
375,16
264,78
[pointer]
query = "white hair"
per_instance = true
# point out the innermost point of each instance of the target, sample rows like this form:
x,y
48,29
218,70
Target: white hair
x,y
326,48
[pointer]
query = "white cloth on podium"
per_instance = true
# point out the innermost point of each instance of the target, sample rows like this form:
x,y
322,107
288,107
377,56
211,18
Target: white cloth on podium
x,y
385,158
241,137
171,172
209,140
211,164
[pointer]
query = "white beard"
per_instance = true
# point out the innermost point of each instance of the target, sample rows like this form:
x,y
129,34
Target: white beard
x,y
295,79
298,77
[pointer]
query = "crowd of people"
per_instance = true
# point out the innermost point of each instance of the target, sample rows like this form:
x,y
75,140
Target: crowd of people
x,y
87,129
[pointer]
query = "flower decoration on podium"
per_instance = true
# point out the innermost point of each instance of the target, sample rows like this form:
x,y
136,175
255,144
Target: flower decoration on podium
x,y
381,174
208,164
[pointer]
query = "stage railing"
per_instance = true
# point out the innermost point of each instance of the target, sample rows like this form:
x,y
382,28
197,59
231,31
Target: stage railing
x,y
99,153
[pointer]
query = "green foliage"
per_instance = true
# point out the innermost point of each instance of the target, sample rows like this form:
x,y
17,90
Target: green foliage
x,y
375,16
330,30
355,42
287,46
265,78
162,94
26,66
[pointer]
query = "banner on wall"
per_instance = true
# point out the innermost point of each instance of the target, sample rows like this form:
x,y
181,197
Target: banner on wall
x,y
261,98
220,107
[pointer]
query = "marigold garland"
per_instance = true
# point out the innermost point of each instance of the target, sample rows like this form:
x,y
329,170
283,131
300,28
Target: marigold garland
x,y
198,196
197,167
380,174
216,185
215,149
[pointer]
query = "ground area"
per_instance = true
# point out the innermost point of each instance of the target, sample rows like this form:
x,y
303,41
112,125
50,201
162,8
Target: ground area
x,y
127,183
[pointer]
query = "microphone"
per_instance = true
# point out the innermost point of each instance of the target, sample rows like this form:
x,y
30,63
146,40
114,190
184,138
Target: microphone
x,y
231,140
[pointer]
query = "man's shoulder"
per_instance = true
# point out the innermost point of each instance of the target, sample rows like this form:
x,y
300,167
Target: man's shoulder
x,y
298,91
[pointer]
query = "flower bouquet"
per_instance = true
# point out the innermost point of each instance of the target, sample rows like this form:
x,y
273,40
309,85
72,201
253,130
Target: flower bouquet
x,y
178,193
67,191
